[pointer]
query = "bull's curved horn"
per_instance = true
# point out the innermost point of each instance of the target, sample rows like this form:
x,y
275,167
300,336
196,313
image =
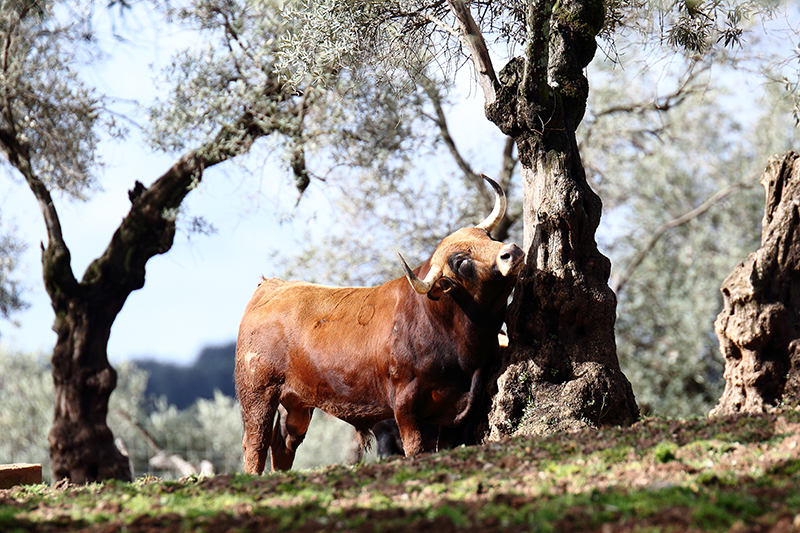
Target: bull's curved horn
x,y
422,286
499,210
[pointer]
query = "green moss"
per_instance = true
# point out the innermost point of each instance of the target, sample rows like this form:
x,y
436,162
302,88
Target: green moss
x,y
718,479
587,17
616,454
664,451
788,468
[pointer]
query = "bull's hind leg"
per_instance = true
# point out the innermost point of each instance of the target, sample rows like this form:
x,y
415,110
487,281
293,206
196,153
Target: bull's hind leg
x,y
290,430
258,413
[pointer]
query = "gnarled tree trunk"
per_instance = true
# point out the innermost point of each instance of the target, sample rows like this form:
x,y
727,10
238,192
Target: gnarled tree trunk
x,y
759,325
560,370
82,446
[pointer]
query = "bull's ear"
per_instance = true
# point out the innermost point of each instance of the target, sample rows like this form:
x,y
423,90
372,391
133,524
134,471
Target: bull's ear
x,y
441,287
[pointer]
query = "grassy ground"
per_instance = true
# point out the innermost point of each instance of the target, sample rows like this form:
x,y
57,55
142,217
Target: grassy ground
x,y
728,474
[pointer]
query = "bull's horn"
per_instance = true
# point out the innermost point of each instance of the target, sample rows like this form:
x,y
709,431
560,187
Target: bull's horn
x,y
499,210
422,286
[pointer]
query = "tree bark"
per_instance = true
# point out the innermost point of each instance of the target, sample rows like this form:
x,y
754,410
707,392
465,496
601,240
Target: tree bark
x,y
759,326
560,371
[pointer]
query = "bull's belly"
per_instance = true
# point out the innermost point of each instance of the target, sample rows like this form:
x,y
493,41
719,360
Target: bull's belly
x,y
358,415
360,408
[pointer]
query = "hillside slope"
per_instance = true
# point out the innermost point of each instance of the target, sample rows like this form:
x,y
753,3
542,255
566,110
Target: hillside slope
x,y
182,385
728,474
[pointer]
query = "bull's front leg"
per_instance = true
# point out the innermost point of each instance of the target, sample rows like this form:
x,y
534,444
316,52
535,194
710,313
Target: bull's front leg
x,y
407,409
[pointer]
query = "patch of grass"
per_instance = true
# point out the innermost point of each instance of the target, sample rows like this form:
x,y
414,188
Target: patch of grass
x,y
788,468
664,451
616,454
718,479
8,517
454,511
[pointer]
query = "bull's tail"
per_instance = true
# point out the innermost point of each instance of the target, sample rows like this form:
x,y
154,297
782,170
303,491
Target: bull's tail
x,y
365,439
474,390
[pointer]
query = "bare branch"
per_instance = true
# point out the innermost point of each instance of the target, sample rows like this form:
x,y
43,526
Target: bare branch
x,y
509,164
146,434
473,40
444,131
443,25
161,459
618,282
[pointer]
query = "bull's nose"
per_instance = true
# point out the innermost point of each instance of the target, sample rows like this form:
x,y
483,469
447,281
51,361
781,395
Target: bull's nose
x,y
509,259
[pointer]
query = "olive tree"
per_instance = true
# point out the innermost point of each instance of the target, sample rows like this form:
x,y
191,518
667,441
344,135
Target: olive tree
x,y
11,289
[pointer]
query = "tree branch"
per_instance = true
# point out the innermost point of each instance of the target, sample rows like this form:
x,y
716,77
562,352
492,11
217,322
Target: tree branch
x,y
534,77
444,131
473,40
509,164
149,227
618,282
56,260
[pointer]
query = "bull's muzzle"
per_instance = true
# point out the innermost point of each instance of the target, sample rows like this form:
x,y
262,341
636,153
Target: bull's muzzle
x,y
510,259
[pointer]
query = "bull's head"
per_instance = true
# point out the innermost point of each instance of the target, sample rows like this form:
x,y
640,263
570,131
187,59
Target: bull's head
x,y
470,258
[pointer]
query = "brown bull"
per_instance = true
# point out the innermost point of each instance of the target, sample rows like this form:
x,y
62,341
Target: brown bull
x,y
413,349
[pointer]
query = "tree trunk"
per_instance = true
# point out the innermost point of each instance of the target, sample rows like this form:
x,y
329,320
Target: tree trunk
x,y
560,371
81,444
759,325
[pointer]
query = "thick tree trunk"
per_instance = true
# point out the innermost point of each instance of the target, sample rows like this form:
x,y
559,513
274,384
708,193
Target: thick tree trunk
x,y
759,325
81,443
560,371
82,446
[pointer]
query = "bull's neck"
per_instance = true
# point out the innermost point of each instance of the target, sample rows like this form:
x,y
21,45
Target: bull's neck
x,y
459,314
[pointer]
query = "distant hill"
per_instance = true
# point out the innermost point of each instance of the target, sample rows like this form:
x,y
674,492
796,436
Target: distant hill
x,y
182,385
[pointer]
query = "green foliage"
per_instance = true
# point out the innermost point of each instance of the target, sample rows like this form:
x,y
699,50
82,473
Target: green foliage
x,y
52,117
11,289
26,408
320,75
693,27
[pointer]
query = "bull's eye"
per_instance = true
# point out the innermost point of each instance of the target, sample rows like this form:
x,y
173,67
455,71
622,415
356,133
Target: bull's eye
x,y
461,263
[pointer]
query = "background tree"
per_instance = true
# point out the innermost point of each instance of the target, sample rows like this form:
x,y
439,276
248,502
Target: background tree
x,y
757,328
11,290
